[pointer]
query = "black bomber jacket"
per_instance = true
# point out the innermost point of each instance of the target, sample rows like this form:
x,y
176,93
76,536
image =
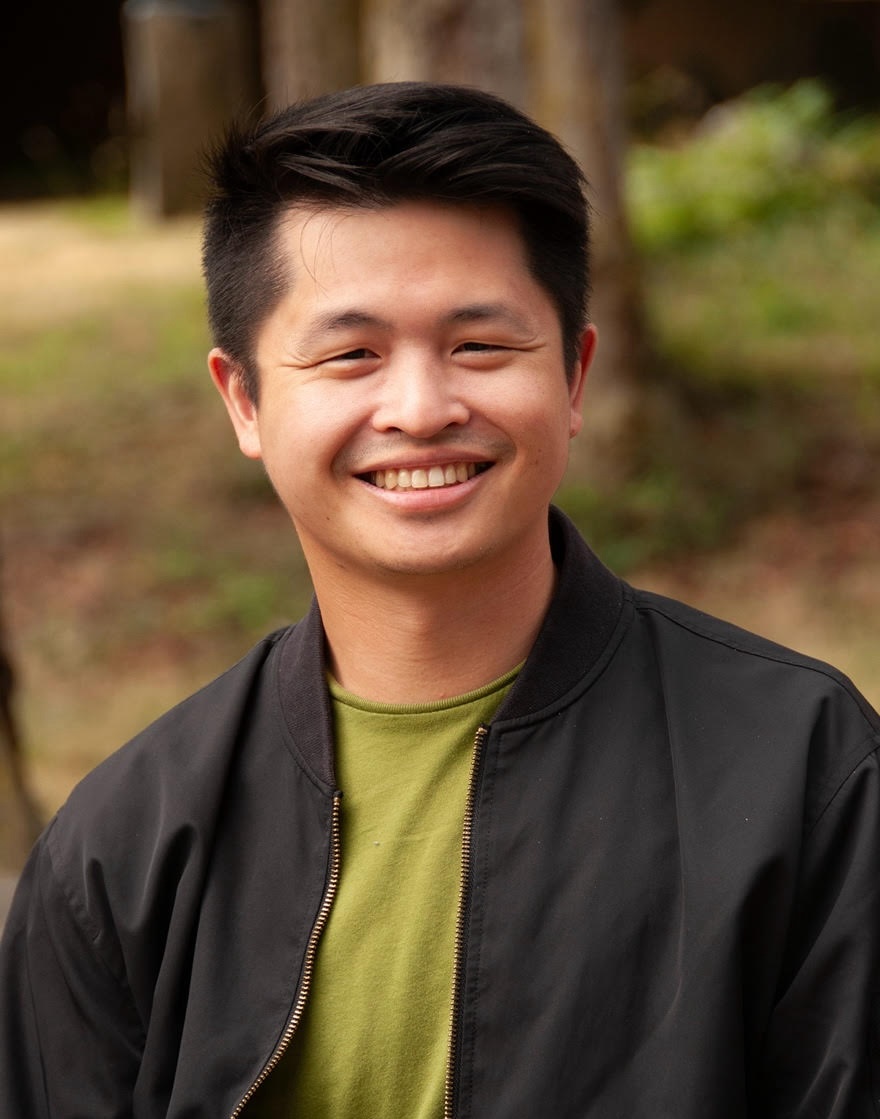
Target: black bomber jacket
x,y
672,886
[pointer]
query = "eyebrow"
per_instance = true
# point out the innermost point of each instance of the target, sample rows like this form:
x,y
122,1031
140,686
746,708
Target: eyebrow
x,y
335,322
484,312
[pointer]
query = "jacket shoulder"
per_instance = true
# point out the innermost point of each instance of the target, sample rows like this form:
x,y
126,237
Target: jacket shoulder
x,y
704,631
147,812
759,696
181,746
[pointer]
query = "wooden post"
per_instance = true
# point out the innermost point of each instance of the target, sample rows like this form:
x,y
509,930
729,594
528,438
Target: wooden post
x,y
190,68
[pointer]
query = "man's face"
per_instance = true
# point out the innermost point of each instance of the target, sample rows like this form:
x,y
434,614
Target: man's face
x,y
414,413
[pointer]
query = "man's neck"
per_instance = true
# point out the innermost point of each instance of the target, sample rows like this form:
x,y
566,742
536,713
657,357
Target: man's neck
x,y
419,639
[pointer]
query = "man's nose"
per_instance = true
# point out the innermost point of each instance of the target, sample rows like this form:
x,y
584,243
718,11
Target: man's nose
x,y
421,398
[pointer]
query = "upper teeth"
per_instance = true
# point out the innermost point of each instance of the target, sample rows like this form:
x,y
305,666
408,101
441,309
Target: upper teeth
x,y
420,479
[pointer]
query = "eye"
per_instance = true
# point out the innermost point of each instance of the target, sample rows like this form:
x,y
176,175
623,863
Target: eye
x,y
359,354
478,347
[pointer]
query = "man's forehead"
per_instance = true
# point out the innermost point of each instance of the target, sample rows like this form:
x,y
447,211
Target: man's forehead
x,y
411,241
299,218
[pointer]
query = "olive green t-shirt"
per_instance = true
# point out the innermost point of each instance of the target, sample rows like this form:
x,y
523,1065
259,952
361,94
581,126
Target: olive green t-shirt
x,y
373,1041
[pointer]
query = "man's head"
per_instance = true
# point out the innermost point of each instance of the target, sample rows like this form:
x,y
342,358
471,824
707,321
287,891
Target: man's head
x,y
372,147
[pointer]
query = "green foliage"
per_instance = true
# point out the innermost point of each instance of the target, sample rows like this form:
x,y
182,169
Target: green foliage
x,y
796,302
761,159
760,247
761,257
655,515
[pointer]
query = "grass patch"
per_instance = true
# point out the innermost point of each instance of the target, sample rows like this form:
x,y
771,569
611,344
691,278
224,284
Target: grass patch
x,y
795,302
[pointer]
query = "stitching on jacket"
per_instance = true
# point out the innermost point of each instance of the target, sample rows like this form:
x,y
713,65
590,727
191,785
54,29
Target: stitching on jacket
x,y
778,654
764,648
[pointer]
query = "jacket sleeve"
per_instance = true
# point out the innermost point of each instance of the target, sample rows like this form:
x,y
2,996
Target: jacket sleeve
x,y
821,1056
70,1037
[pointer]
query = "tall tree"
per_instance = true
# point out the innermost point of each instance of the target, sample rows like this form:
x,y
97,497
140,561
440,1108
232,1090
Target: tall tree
x,y
579,67
472,42
189,69
308,47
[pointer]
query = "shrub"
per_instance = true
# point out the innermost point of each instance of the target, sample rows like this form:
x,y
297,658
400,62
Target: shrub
x,y
769,155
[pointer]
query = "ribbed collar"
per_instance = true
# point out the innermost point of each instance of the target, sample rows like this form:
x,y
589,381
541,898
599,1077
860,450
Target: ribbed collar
x,y
580,622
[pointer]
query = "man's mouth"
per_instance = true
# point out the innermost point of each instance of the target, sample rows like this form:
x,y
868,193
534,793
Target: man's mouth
x,y
425,478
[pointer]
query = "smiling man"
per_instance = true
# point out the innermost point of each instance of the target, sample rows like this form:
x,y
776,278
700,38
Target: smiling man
x,y
414,412
489,833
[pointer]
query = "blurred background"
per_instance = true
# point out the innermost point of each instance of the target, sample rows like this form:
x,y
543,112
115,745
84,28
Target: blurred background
x,y
733,442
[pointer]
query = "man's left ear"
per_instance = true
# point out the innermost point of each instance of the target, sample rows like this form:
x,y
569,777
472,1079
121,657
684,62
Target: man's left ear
x,y
579,378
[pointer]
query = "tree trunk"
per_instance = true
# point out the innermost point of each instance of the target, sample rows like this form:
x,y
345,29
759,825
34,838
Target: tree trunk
x,y
470,42
19,821
309,47
580,97
189,70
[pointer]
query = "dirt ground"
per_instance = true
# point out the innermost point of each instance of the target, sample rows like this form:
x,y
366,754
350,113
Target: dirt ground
x,y
55,267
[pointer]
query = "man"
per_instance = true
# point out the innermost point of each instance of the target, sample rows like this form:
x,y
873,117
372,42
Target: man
x,y
598,854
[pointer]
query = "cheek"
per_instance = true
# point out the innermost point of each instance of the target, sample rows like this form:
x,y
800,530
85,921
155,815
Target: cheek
x,y
331,413
310,428
544,419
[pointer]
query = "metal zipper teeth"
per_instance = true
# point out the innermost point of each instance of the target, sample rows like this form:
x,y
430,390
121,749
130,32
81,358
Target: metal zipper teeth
x,y
308,966
464,886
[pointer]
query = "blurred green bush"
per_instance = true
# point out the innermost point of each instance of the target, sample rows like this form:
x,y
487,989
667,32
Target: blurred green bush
x,y
759,237
770,155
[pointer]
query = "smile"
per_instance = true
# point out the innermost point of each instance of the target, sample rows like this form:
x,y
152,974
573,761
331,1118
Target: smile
x,y
426,478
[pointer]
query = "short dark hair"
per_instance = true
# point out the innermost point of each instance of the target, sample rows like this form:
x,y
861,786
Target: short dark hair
x,y
373,146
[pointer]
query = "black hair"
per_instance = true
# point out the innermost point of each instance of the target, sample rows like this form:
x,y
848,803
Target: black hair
x,y
373,146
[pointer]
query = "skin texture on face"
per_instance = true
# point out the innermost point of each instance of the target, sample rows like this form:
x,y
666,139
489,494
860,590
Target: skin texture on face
x,y
414,413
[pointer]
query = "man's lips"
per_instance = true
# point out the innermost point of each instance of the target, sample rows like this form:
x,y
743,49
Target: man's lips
x,y
432,477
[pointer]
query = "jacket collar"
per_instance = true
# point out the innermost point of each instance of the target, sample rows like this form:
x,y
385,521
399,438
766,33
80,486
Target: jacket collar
x,y
582,617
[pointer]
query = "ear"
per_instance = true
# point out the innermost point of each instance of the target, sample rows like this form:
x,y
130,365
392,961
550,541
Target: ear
x,y
227,376
579,378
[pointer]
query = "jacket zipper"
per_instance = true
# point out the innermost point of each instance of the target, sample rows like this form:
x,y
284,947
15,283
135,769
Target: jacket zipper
x,y
309,964
464,888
